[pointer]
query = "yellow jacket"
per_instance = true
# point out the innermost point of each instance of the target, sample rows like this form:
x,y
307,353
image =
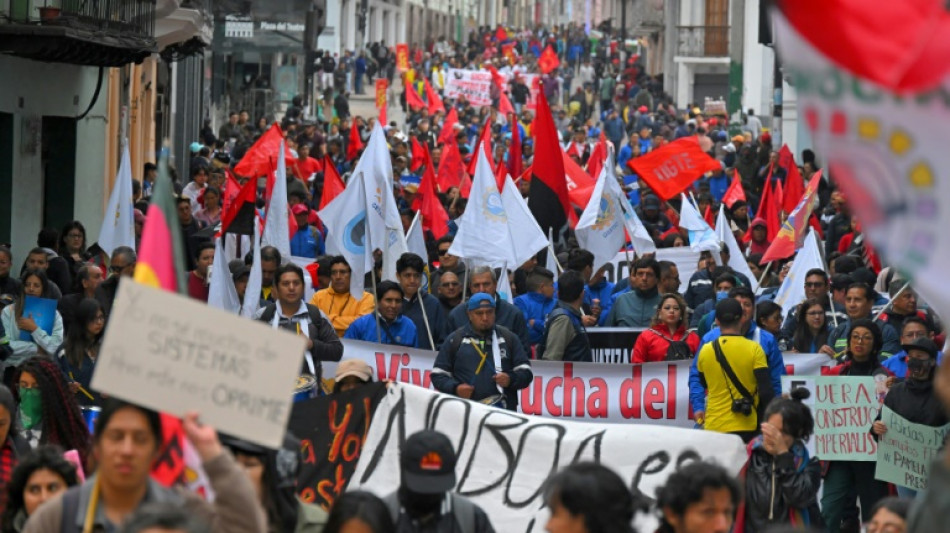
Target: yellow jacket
x,y
341,308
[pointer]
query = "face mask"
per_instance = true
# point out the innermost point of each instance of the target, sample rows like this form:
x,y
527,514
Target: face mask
x,y
919,367
722,295
31,407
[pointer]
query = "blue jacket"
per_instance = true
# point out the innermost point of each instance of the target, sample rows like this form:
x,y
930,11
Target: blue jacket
x,y
400,332
697,394
412,309
718,186
623,156
535,306
602,291
307,242
897,363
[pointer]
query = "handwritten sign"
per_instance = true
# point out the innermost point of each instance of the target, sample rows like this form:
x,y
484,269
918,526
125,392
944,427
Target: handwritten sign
x,y
332,430
845,408
174,354
905,452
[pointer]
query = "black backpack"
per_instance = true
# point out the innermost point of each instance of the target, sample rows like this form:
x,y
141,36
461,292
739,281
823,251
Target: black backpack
x,y
677,350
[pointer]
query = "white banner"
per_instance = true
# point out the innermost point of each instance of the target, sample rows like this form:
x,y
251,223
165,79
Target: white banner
x,y
653,393
474,85
504,458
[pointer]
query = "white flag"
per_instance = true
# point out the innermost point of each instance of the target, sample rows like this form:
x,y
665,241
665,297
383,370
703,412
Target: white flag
x,y
415,241
255,282
345,217
792,291
221,292
526,236
276,225
118,224
701,237
503,287
600,228
639,236
728,240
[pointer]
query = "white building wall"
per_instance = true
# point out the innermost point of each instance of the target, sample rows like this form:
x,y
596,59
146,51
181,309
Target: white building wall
x,y
758,62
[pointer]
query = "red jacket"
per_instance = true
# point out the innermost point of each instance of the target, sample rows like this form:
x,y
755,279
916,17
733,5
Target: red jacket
x,y
651,346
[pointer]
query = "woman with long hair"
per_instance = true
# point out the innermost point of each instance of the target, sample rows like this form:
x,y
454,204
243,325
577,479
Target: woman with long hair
x,y
781,479
811,329
667,338
272,478
35,284
48,412
40,476
589,498
77,357
12,445
72,248
359,511
210,201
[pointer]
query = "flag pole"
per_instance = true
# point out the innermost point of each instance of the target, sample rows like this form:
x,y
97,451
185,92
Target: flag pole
x,y
831,304
765,272
379,335
891,300
425,318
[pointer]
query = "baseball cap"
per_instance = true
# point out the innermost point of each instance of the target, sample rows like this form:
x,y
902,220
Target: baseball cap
x,y
479,300
353,367
428,463
728,310
923,344
642,109
300,209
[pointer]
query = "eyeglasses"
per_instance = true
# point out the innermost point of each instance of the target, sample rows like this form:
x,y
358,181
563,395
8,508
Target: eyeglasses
x,y
99,318
862,338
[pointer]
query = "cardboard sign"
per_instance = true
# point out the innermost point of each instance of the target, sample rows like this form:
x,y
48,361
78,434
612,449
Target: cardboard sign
x,y
845,408
905,452
504,457
332,430
174,354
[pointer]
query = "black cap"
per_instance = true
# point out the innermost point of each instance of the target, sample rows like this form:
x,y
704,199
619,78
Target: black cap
x,y
428,463
728,310
923,344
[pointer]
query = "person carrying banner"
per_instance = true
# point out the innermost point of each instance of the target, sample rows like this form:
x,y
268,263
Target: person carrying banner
x,y
425,501
482,361
126,442
847,481
858,305
387,325
419,306
483,279
290,312
336,302
698,498
565,338
914,398
734,373
667,338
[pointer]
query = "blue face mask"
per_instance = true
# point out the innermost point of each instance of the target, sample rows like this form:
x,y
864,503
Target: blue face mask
x,y
722,295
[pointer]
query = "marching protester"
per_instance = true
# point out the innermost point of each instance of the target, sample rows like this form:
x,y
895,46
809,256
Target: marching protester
x,y
13,447
26,337
38,477
482,361
87,280
565,337
121,265
913,329
420,306
858,305
817,287
77,356
537,303
667,338
198,280
811,326
336,302
450,293
351,374
359,511
589,498
698,498
272,477
387,325
482,279
636,308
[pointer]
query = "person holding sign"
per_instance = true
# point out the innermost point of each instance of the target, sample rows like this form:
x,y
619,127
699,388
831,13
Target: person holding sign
x,y
22,321
913,399
127,441
290,312
845,480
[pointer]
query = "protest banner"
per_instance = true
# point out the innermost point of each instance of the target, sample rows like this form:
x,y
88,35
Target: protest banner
x,y
402,57
844,409
174,354
381,85
504,457
653,393
905,452
474,85
332,430
613,345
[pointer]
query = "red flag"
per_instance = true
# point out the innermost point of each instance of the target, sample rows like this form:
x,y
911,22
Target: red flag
x,y
355,143
231,190
466,188
779,198
412,97
332,183
501,172
238,216
381,86
709,217
435,102
669,170
548,60
595,163
549,183
792,235
451,168
735,192
434,217
515,155
508,50
794,184
402,57
578,181
261,158
484,141
501,34
762,212
418,156
911,56
448,127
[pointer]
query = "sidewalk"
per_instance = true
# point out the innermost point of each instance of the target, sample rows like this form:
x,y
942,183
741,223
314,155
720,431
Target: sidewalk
x,y
364,105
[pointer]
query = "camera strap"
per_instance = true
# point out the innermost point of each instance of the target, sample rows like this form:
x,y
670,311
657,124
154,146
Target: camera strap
x,y
740,388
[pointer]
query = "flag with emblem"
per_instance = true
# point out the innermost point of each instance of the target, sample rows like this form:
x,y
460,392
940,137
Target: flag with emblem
x,y
600,229
118,224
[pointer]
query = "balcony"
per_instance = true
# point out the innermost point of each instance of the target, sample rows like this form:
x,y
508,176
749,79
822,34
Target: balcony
x,y
702,41
106,33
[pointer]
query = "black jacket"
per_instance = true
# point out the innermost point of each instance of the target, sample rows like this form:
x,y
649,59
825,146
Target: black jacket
x,y
774,487
506,315
105,293
915,400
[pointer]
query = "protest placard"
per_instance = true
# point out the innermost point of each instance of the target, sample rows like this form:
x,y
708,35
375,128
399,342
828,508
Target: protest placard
x,y
174,354
474,85
905,452
653,393
332,430
504,457
844,409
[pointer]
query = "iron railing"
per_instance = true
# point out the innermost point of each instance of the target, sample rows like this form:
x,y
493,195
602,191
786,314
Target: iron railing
x,y
703,41
120,16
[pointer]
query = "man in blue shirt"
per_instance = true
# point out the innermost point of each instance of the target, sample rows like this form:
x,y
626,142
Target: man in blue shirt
x,y
537,302
914,328
307,242
386,325
744,295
